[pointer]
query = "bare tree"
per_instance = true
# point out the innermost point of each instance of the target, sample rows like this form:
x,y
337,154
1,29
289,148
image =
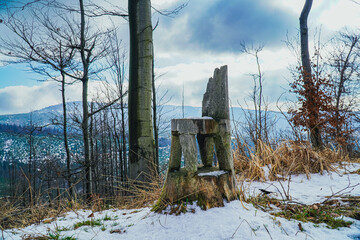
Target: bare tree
x,y
315,133
116,61
45,53
258,123
85,53
85,45
344,63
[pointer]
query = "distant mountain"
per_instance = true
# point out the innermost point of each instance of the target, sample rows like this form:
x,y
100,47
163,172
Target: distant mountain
x,y
15,146
21,119
38,117
167,112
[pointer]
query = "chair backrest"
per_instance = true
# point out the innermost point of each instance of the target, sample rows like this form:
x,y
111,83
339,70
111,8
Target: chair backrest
x,y
215,102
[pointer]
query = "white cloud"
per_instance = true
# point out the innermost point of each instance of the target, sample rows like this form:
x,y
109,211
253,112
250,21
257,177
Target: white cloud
x,y
296,6
195,74
334,14
193,66
345,13
162,4
20,99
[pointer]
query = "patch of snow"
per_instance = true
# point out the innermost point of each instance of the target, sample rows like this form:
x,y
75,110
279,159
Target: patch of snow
x,y
198,118
236,220
214,173
230,222
8,144
315,189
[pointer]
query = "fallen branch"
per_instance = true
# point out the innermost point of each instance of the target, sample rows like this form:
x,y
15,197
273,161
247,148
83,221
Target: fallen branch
x,y
337,194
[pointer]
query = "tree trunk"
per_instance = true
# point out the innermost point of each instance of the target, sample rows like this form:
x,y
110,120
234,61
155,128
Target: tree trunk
x,y
208,191
85,120
141,140
123,166
304,38
65,134
315,132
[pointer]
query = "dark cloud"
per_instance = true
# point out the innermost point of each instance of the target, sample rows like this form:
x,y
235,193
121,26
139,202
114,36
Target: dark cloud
x,y
221,25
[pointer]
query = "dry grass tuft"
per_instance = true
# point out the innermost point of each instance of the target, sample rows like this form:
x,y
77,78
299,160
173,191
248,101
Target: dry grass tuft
x,y
249,168
15,216
134,194
138,194
285,159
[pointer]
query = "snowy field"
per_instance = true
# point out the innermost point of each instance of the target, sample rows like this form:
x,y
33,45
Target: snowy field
x,y
234,221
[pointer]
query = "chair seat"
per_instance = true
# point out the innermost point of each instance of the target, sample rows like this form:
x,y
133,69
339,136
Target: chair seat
x,y
203,125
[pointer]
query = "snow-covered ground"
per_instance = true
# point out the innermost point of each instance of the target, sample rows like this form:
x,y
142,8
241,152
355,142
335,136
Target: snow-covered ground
x,y
314,190
234,221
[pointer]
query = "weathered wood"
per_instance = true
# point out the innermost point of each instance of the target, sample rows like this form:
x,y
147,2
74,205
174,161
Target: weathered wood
x,y
185,130
194,126
223,146
209,185
206,148
175,154
188,146
215,102
209,190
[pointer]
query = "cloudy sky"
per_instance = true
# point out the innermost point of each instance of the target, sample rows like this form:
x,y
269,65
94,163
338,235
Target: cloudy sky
x,y
205,35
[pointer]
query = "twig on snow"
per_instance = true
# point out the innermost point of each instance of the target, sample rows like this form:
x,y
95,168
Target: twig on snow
x,y
240,225
337,194
267,231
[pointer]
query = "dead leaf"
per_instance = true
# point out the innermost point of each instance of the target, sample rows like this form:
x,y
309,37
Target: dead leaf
x,y
300,227
117,231
46,221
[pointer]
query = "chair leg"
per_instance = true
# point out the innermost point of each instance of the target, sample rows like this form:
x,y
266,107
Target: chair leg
x,y
175,154
223,151
206,147
188,146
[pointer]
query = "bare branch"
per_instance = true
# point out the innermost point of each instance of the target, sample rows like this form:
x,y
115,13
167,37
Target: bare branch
x,y
171,13
354,1
107,105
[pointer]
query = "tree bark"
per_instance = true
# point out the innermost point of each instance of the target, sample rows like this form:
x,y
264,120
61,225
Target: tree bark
x,y
141,140
315,132
304,37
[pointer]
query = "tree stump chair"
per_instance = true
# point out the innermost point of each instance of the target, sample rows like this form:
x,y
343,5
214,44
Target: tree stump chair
x,y
207,184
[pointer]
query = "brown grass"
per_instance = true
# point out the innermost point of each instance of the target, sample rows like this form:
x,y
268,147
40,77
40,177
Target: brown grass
x,y
134,194
285,159
138,194
14,216
281,161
